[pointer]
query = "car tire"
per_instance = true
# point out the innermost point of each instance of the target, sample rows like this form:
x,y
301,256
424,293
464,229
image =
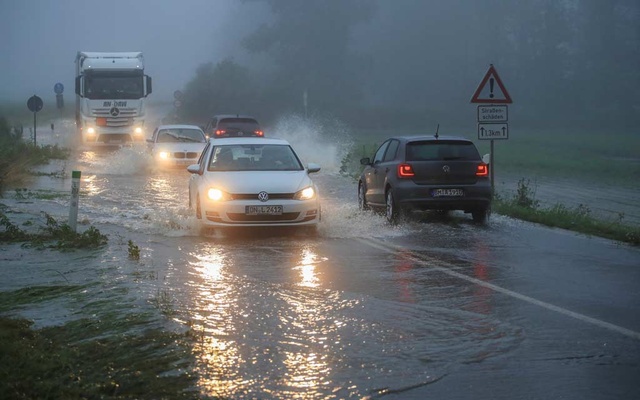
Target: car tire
x,y
362,200
480,216
198,208
393,212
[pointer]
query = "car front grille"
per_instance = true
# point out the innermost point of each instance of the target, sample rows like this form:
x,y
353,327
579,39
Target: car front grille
x,y
239,217
181,154
254,196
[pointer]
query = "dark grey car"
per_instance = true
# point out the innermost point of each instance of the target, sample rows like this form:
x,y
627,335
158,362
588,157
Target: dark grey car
x,y
426,173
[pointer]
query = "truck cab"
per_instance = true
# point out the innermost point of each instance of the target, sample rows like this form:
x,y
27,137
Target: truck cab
x,y
111,89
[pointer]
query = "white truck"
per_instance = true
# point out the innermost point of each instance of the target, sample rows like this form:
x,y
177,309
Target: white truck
x,y
111,89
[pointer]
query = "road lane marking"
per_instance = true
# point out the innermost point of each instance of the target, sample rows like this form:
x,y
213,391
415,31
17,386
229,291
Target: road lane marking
x,y
429,262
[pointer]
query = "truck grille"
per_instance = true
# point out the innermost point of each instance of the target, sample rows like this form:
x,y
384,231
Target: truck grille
x,y
125,118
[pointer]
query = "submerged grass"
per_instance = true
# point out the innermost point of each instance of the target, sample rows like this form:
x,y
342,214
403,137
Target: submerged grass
x,y
83,359
53,235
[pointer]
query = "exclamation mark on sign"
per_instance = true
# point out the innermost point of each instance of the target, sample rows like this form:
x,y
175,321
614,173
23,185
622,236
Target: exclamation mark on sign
x,y
491,87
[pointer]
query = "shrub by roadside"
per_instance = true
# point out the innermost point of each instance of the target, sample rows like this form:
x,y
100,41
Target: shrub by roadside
x,y
17,156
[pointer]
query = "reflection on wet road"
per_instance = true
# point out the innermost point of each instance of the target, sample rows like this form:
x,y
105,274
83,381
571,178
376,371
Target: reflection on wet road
x,y
281,318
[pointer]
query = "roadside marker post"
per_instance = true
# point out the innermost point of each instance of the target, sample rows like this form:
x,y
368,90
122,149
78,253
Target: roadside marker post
x,y
75,194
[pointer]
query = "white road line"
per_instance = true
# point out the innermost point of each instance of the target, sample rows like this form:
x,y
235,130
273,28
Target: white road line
x,y
430,262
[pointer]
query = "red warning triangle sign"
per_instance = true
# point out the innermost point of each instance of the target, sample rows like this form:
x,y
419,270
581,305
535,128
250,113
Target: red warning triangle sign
x,y
491,89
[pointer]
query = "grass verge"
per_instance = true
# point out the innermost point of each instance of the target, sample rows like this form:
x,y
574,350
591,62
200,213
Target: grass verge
x,y
524,206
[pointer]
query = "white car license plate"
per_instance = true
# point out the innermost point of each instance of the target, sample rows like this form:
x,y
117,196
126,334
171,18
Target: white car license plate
x,y
263,210
447,192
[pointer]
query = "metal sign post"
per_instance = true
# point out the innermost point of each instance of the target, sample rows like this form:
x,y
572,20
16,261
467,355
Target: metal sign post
x,y
34,104
492,117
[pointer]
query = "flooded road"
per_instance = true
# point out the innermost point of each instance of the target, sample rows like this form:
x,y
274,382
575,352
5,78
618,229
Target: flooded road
x,y
434,308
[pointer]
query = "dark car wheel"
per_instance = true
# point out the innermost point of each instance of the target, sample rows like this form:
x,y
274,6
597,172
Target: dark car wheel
x,y
362,200
392,209
480,216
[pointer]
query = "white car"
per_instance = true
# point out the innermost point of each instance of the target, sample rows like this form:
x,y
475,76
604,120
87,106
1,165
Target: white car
x,y
177,145
252,181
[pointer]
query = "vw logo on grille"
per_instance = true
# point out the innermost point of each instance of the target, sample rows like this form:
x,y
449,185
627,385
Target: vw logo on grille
x,y
263,196
114,111
446,169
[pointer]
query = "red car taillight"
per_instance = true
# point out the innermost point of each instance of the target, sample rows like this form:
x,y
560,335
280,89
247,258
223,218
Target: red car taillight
x,y
482,170
220,132
258,133
405,171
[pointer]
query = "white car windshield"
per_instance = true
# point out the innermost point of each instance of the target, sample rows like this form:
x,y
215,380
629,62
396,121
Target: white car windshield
x,y
254,157
180,135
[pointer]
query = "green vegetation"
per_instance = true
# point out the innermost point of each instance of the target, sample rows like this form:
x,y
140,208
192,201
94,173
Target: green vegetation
x,y
52,235
134,251
523,205
612,158
17,155
92,359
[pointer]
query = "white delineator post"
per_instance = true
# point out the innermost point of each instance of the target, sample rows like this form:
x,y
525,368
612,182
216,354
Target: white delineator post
x,y
75,194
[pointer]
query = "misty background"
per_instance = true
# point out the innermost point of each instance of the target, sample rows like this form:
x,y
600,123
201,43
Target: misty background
x,y
401,64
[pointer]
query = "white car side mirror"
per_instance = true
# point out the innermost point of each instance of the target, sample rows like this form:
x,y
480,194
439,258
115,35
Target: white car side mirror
x,y
312,167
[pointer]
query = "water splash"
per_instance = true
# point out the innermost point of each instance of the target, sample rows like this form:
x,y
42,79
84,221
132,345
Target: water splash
x,y
323,142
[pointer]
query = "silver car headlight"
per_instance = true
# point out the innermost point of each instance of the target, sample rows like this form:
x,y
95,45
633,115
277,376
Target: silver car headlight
x,y
163,155
215,194
307,193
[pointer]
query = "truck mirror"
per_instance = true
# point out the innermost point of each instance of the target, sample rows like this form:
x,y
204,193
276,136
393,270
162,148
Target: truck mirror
x,y
78,86
148,85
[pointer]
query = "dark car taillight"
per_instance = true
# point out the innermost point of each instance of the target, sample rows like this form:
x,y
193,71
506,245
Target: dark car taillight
x,y
405,171
220,132
258,133
482,170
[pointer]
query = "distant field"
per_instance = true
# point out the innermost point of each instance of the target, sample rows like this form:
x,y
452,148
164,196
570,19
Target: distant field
x,y
611,157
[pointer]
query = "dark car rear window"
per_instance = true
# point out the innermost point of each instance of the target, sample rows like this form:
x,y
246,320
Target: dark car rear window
x,y
441,150
243,124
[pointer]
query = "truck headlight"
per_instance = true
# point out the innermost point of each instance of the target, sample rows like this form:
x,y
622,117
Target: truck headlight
x,y
138,131
91,131
163,155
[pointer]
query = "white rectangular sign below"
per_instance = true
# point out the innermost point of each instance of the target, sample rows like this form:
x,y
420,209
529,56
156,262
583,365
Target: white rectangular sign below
x,y
493,131
493,113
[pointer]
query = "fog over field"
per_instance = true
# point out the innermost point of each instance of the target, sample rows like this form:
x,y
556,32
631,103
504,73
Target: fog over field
x,y
373,63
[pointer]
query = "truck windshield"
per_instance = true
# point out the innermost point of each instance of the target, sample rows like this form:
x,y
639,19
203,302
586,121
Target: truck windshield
x,y
113,87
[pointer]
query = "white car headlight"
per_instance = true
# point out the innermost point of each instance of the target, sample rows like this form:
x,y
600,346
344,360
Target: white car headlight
x,y
307,193
91,131
138,131
218,195
163,155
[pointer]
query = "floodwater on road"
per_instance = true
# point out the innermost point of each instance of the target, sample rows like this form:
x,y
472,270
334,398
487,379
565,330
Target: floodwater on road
x,y
362,309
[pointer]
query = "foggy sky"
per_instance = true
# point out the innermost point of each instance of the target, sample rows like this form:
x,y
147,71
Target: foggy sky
x,y
39,40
